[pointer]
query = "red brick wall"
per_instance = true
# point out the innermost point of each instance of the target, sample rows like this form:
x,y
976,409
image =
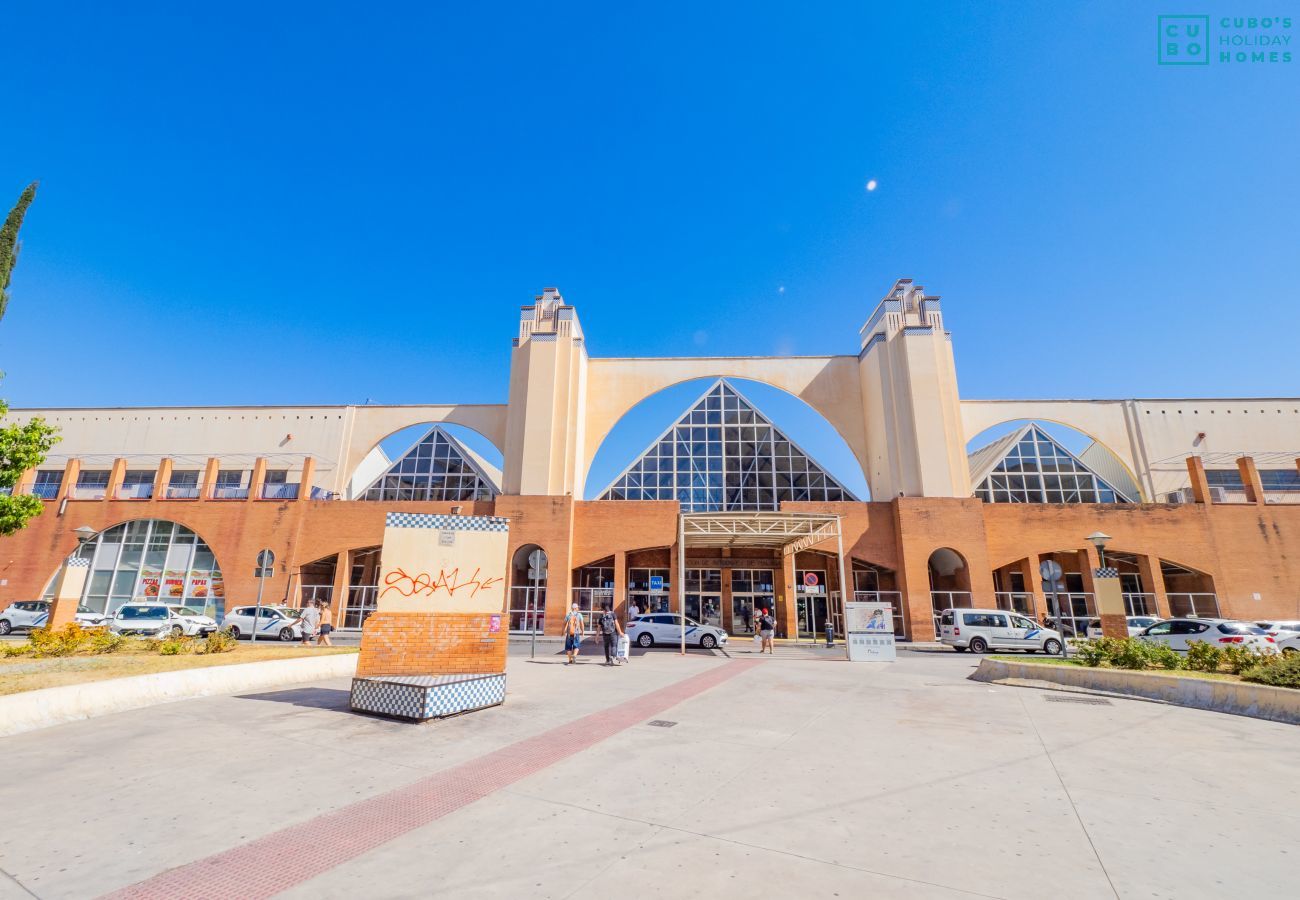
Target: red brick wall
x,y
432,644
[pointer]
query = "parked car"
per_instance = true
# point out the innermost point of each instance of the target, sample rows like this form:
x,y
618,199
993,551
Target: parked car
x,y
994,629
147,620
1285,632
1179,633
280,622
196,624
666,628
1136,624
28,614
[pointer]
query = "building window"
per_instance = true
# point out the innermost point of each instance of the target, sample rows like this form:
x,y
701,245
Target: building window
x,y
1228,479
230,485
183,484
1033,468
1281,480
92,484
438,467
137,484
47,484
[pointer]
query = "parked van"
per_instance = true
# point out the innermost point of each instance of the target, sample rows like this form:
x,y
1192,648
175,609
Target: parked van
x,y
995,629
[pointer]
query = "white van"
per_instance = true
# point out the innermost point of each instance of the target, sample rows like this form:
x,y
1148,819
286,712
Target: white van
x,y
995,629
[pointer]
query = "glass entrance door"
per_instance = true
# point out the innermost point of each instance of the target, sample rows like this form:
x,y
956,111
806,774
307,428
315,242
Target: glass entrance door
x,y
751,593
811,607
704,596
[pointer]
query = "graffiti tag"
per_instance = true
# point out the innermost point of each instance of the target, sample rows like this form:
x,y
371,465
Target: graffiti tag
x,y
424,584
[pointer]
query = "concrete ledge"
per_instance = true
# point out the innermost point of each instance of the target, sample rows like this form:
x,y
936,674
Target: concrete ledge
x,y
54,706
1259,701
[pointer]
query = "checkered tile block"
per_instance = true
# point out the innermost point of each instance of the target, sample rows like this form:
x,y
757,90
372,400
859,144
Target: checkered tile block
x,y
447,523
78,562
421,697
1105,572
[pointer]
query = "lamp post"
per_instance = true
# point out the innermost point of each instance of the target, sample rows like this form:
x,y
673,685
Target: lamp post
x,y
1098,540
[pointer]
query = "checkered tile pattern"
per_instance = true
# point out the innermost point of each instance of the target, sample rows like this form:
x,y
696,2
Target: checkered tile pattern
x,y
1105,572
276,862
423,697
78,562
447,523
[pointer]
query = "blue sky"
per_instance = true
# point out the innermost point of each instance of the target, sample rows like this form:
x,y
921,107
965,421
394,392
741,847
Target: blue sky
x,y
270,203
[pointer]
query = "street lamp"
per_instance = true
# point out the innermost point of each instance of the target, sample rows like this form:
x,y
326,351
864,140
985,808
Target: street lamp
x,y
84,534
1099,539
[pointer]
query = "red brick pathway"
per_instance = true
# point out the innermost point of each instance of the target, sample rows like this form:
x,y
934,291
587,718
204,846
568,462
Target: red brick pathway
x,y
275,862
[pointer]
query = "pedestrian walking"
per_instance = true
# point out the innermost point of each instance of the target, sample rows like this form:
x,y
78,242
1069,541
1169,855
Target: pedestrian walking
x,y
326,624
610,631
310,621
573,629
767,629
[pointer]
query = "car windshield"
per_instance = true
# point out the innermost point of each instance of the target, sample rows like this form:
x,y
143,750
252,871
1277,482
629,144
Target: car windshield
x,y
1240,628
142,612
1142,622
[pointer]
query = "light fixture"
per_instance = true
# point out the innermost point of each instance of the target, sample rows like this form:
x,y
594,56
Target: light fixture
x,y
1098,540
84,533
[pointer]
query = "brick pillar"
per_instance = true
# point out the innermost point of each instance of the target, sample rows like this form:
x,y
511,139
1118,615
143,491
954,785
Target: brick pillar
x,y
620,584
68,585
1153,580
1034,585
726,594
209,483
1250,478
28,478
676,583
305,479
116,476
787,604
339,595
258,479
71,470
1200,484
161,478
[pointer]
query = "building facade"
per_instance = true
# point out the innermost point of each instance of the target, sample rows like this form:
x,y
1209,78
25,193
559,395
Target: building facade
x,y
723,514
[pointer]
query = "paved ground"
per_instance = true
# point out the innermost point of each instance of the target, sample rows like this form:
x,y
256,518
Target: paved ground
x,y
793,776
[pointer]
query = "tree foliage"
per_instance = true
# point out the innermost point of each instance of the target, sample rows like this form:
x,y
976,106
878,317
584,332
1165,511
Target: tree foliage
x,y
22,445
9,245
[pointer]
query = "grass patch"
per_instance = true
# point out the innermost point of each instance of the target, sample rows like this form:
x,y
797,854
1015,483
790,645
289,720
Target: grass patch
x,y
18,674
1057,661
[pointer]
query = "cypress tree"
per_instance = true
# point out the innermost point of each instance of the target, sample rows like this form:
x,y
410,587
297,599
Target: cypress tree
x,y
9,243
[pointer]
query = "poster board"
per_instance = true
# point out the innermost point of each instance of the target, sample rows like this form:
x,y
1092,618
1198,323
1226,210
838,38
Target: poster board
x,y
443,564
869,632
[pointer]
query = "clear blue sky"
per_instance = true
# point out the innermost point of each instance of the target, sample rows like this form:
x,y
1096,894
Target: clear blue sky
x,y
255,203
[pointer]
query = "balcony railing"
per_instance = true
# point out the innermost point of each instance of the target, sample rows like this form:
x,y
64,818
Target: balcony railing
x,y
229,492
280,492
182,492
895,600
89,492
134,491
45,491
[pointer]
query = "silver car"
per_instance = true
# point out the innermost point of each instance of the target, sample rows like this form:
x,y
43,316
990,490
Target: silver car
x,y
666,629
1180,633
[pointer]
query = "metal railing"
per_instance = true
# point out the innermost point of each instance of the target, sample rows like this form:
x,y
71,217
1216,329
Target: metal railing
x,y
45,491
895,600
1140,604
1077,610
182,492
941,600
528,609
89,492
280,492
323,593
1185,605
1021,602
140,491
229,492
361,603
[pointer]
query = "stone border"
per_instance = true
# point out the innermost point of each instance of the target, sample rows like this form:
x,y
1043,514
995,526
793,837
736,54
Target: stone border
x,y
1259,701
30,710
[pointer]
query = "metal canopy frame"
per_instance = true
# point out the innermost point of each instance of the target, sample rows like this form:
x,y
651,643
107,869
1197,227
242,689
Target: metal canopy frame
x,y
790,531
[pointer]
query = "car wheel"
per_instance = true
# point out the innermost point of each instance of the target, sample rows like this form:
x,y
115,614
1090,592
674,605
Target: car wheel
x,y
178,631
286,634
234,632
978,645
5,627
645,640
1286,651
1052,647
708,642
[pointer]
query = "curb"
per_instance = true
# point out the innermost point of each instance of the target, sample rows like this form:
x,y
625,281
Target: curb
x,y
31,710
1257,701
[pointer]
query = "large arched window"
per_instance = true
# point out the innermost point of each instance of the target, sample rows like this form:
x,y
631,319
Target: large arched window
x,y
152,559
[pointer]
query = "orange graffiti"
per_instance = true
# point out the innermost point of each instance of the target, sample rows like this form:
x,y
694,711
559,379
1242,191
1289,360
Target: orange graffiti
x,y
424,584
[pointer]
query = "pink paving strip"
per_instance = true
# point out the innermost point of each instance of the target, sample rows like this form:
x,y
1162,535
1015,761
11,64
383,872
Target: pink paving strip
x,y
275,863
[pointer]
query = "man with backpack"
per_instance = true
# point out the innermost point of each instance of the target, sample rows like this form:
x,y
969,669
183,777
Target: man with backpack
x,y
610,630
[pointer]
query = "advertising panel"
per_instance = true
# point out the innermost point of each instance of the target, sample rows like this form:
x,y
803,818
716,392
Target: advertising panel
x,y
869,632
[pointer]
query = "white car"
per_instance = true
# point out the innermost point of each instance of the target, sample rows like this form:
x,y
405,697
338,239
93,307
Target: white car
x,y
282,623
666,628
147,620
1285,632
196,624
28,614
979,630
1179,633
1136,625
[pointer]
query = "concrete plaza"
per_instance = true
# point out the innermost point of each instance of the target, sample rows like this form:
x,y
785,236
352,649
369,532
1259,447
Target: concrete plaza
x,y
790,776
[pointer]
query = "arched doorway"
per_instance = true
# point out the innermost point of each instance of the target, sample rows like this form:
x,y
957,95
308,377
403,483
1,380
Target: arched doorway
x,y
949,582
1190,591
152,559
528,572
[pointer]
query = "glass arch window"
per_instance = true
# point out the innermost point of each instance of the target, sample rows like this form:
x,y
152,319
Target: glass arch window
x,y
152,559
724,455
437,467
1028,466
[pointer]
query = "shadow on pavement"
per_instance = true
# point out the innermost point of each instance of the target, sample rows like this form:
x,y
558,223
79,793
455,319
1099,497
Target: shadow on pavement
x,y
307,697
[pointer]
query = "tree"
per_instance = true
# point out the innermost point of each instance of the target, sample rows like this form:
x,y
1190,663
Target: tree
x,y
24,446
9,246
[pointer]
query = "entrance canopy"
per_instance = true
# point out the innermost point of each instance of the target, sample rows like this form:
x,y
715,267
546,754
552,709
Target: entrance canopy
x,y
791,532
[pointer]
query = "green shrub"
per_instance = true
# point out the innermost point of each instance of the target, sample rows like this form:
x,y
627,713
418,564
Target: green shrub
x,y
1237,658
1093,653
177,646
1164,656
104,641
64,641
1131,654
219,642
1279,671
1203,657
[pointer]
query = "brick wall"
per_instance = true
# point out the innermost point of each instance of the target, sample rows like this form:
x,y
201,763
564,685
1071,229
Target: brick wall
x,y
432,644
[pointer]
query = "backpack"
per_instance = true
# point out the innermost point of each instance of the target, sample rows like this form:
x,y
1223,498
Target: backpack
x,y
767,623
607,623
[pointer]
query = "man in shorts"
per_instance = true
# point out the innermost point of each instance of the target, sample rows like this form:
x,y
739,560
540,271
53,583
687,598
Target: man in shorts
x,y
766,630
573,628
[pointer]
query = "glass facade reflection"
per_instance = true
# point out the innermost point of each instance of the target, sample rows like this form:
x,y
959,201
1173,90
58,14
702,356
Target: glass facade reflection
x,y
1036,469
436,468
724,455
152,559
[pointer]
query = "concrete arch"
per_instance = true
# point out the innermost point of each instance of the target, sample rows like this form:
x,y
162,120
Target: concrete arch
x,y
372,425
1104,421
830,385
